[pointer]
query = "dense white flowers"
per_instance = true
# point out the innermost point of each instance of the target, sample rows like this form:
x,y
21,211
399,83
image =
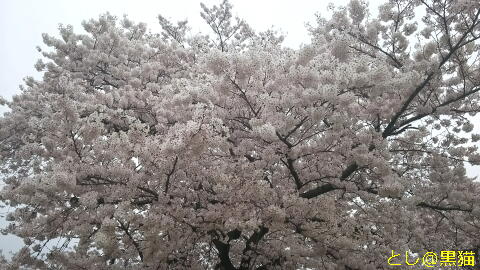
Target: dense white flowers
x,y
180,151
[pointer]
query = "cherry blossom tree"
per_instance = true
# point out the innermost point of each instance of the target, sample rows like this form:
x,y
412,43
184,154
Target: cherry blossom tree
x,y
182,151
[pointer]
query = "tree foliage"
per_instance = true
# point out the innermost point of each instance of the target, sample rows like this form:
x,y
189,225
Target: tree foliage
x,y
178,151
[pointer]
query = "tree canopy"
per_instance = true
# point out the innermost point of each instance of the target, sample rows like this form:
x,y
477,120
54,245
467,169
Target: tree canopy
x,y
174,150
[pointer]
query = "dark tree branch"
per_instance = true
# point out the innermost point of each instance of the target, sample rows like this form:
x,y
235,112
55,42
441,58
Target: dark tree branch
x,y
293,172
318,191
250,245
169,174
135,243
443,208
223,253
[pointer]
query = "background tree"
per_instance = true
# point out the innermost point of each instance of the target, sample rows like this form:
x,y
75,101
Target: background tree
x,y
170,151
